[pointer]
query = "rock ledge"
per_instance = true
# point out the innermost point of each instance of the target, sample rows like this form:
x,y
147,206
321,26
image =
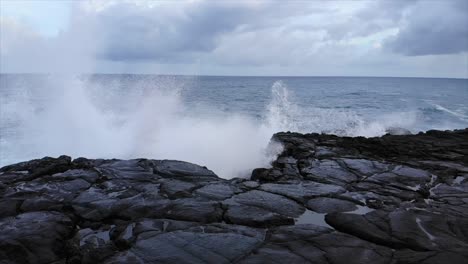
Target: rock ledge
x,y
326,199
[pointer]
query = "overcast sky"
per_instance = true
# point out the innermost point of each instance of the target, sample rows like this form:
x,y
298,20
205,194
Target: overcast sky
x,y
427,38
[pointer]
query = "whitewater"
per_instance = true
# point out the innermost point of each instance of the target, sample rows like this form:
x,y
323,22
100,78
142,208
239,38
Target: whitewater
x,y
224,123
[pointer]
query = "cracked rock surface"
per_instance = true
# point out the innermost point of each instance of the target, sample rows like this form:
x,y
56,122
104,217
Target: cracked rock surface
x,y
326,199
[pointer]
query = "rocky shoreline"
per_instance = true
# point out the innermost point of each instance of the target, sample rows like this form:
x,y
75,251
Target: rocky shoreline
x,y
326,199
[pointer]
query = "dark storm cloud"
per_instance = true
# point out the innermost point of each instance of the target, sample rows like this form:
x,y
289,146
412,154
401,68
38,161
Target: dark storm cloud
x,y
175,32
376,16
183,32
433,28
131,32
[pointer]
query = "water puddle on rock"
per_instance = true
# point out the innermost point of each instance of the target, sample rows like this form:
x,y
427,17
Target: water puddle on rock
x,y
414,188
311,217
361,210
458,180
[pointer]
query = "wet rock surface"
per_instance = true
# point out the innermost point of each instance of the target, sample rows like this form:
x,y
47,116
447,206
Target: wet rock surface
x,y
326,199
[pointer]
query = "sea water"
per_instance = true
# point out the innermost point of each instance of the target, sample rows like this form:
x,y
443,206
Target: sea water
x,y
224,123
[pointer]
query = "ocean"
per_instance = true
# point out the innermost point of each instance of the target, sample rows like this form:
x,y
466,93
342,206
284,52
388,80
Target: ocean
x,y
224,123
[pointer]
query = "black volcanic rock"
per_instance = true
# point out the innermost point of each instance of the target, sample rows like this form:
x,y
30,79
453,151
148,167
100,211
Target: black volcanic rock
x,y
326,199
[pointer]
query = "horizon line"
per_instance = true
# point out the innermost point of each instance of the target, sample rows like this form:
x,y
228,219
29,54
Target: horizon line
x,y
214,75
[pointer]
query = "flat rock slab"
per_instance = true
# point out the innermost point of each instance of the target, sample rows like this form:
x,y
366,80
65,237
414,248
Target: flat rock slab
x,y
325,199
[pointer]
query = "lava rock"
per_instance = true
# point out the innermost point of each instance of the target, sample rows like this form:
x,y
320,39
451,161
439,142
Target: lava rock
x,y
325,199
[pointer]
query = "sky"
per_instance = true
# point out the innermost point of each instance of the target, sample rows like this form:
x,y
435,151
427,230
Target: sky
x,y
407,38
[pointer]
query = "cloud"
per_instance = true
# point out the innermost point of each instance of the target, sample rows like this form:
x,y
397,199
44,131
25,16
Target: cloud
x,y
248,37
433,27
178,32
131,32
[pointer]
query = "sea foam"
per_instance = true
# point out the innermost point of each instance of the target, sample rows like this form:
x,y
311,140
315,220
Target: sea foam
x,y
155,124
